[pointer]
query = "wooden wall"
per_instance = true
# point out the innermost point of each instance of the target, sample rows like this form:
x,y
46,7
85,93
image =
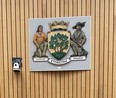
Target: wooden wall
x,y
100,82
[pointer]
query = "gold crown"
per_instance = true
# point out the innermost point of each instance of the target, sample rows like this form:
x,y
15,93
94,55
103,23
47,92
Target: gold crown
x,y
58,25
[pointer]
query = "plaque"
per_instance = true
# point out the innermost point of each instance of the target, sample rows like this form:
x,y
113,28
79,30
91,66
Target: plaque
x,y
60,43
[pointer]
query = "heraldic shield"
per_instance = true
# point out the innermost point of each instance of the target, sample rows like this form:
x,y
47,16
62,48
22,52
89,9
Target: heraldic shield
x,y
58,43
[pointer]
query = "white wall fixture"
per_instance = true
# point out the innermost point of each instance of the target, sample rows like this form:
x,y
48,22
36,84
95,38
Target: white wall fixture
x,y
16,63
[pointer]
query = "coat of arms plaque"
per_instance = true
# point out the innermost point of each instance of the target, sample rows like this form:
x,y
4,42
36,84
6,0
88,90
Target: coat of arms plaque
x,y
60,43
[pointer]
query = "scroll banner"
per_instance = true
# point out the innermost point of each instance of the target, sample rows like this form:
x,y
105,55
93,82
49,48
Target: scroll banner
x,y
55,62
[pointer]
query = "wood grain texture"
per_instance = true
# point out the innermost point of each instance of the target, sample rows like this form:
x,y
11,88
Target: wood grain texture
x,y
106,49
100,82
92,48
1,53
114,55
87,74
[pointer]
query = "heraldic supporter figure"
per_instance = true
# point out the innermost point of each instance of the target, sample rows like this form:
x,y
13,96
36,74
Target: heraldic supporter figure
x,y
40,41
78,39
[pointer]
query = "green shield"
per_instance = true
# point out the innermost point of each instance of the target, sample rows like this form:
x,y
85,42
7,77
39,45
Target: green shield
x,y
58,43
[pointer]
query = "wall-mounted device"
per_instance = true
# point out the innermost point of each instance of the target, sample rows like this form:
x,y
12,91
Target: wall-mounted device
x,y
16,62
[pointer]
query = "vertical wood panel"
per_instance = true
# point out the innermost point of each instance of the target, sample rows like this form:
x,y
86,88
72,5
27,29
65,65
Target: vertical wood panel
x,y
66,91
110,49
26,10
53,85
101,62
114,56
44,7
31,15
83,72
13,11
58,74
53,73
79,73
106,49
100,82
97,50
5,53
36,81
9,49
74,73
92,47
71,82
22,26
40,73
62,73
1,53
18,49
87,80
49,83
